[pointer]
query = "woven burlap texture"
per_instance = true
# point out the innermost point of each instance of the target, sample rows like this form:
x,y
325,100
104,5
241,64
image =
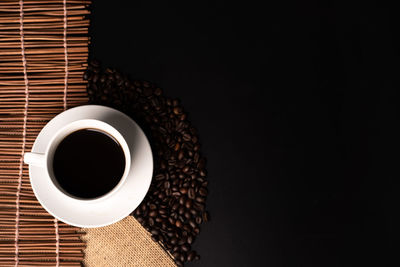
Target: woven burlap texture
x,y
123,244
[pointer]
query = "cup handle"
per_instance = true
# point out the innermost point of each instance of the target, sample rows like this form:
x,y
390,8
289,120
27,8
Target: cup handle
x,y
35,159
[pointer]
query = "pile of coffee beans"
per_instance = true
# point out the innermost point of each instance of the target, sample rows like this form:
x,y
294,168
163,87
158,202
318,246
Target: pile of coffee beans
x,y
174,207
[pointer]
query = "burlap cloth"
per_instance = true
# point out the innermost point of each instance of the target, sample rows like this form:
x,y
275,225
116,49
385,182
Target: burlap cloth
x,y
125,243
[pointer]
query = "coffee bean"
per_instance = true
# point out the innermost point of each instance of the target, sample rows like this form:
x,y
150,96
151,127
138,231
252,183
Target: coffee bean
x,y
186,169
155,238
188,203
151,221
174,241
181,210
187,137
171,220
177,110
191,193
180,155
196,157
206,216
183,190
187,215
192,223
160,177
203,191
178,224
158,91
199,220
193,212
176,254
177,147
153,213
154,232
202,163
186,228
198,206
191,255
182,258
196,230
189,239
200,199
175,206
185,248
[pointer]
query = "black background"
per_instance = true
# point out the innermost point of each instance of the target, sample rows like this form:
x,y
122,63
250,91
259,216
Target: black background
x,y
296,109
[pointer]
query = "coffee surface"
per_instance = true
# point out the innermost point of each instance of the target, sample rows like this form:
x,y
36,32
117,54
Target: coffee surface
x,y
88,163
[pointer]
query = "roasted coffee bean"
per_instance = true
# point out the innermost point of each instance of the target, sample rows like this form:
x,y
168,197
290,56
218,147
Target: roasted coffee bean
x,y
191,255
181,210
151,221
158,91
180,155
160,177
196,157
187,137
187,215
182,258
170,234
174,241
193,212
186,228
199,220
171,220
177,146
185,248
183,190
178,223
200,199
199,206
174,207
176,254
206,216
201,164
186,169
167,184
203,191
155,238
196,230
168,192
188,203
177,110
191,193
154,232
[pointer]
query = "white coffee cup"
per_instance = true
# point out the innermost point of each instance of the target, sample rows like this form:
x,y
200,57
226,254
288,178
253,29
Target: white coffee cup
x,y
121,200
45,160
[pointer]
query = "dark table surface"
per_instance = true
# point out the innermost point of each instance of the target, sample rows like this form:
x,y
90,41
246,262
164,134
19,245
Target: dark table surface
x,y
296,107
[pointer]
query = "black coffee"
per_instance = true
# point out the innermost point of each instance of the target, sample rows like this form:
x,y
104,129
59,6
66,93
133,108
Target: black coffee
x,y
88,163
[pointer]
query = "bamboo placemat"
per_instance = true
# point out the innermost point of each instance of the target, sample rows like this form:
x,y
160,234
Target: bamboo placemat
x,y
43,54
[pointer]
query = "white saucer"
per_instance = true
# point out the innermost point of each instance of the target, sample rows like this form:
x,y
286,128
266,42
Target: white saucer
x,y
117,206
